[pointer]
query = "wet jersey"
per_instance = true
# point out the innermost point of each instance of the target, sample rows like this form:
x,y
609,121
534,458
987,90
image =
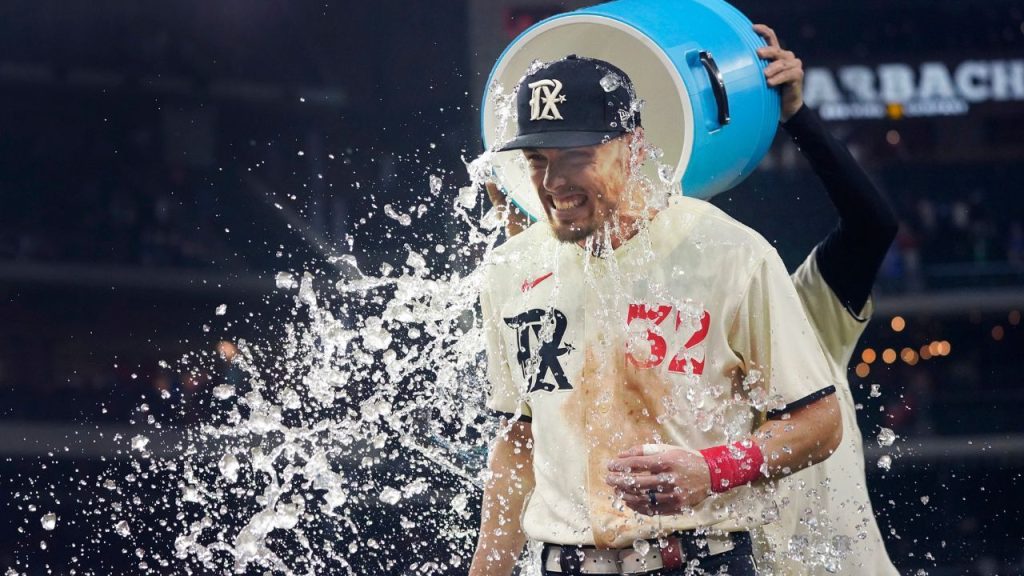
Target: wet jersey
x,y
688,334
828,504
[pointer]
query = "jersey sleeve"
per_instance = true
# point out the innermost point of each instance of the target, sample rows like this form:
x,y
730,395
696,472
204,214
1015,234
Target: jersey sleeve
x,y
505,398
837,326
779,350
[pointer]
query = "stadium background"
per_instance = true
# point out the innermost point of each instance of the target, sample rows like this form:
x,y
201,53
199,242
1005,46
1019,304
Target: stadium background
x,y
143,146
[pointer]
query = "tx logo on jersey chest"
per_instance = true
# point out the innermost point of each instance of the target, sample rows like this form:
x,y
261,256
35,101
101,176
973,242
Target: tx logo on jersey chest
x,y
539,335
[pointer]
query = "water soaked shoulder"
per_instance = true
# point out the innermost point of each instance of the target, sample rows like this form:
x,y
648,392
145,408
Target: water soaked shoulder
x,y
702,225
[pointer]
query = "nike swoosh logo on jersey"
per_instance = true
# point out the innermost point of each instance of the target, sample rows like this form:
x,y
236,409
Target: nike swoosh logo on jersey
x,y
529,285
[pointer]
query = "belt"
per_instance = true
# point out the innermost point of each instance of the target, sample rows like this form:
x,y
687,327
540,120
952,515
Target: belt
x,y
678,549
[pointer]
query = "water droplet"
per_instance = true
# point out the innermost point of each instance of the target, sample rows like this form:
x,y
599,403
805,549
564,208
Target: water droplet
x,y
435,184
886,437
139,443
611,81
924,500
641,546
875,391
375,336
534,66
403,219
390,496
285,281
885,462
223,391
705,420
665,173
221,310
49,521
122,529
190,494
467,197
228,466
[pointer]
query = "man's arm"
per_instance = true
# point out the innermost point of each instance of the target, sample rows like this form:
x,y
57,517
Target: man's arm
x,y
505,491
849,257
682,479
774,345
807,436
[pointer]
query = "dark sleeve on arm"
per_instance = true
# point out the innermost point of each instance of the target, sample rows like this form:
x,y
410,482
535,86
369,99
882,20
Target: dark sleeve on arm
x,y
849,257
809,399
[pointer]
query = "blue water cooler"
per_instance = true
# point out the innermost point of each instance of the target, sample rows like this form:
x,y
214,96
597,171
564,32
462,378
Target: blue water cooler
x,y
707,105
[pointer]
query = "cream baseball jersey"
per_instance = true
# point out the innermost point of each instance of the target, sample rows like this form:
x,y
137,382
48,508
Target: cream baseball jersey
x,y
828,503
689,334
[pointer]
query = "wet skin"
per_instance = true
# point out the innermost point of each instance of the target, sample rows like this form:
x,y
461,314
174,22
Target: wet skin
x,y
583,189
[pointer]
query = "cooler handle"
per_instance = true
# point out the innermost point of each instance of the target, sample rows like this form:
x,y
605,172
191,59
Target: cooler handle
x,y
717,86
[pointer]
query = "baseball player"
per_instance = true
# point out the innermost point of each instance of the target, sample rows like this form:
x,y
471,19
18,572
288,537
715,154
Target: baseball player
x,y
652,366
829,515
833,284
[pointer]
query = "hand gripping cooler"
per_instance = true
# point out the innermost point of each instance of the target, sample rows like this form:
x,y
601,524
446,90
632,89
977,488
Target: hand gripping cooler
x,y
694,63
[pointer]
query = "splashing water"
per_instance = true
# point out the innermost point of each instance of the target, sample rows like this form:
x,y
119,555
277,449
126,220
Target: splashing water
x,y
885,462
403,219
49,521
886,437
139,443
355,443
611,81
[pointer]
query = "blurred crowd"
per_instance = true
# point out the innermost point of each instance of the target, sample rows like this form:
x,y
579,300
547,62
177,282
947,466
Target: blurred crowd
x,y
973,240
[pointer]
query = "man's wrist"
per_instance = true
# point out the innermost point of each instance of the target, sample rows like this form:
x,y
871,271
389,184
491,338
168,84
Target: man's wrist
x,y
733,465
795,116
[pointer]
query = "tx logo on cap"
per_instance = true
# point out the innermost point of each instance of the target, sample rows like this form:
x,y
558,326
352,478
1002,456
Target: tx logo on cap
x,y
546,93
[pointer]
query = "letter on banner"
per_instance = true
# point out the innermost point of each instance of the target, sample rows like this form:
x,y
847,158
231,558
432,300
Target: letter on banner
x,y
896,82
820,88
935,82
859,80
1008,80
969,78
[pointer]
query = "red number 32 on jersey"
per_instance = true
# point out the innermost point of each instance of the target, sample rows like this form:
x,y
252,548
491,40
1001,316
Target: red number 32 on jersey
x,y
687,360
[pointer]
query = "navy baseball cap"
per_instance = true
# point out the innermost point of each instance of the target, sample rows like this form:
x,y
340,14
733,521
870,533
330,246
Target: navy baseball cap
x,y
573,102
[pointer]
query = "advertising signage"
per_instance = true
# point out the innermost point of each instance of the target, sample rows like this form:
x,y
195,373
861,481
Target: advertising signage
x,y
900,90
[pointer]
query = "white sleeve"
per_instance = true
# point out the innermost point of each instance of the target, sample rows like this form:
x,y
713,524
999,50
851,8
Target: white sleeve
x,y
505,397
775,340
838,328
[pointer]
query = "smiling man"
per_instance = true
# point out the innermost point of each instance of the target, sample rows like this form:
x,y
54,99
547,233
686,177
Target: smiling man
x,y
651,361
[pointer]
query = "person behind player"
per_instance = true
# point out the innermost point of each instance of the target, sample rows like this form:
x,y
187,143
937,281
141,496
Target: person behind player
x,y
834,284
652,365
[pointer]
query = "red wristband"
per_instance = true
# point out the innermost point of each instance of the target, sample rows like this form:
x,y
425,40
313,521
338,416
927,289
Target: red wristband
x,y
735,466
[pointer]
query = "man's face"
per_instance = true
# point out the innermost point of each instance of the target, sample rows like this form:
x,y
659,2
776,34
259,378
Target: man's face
x,y
580,188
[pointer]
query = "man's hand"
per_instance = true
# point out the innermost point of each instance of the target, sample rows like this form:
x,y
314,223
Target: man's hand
x,y
676,479
786,71
517,221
